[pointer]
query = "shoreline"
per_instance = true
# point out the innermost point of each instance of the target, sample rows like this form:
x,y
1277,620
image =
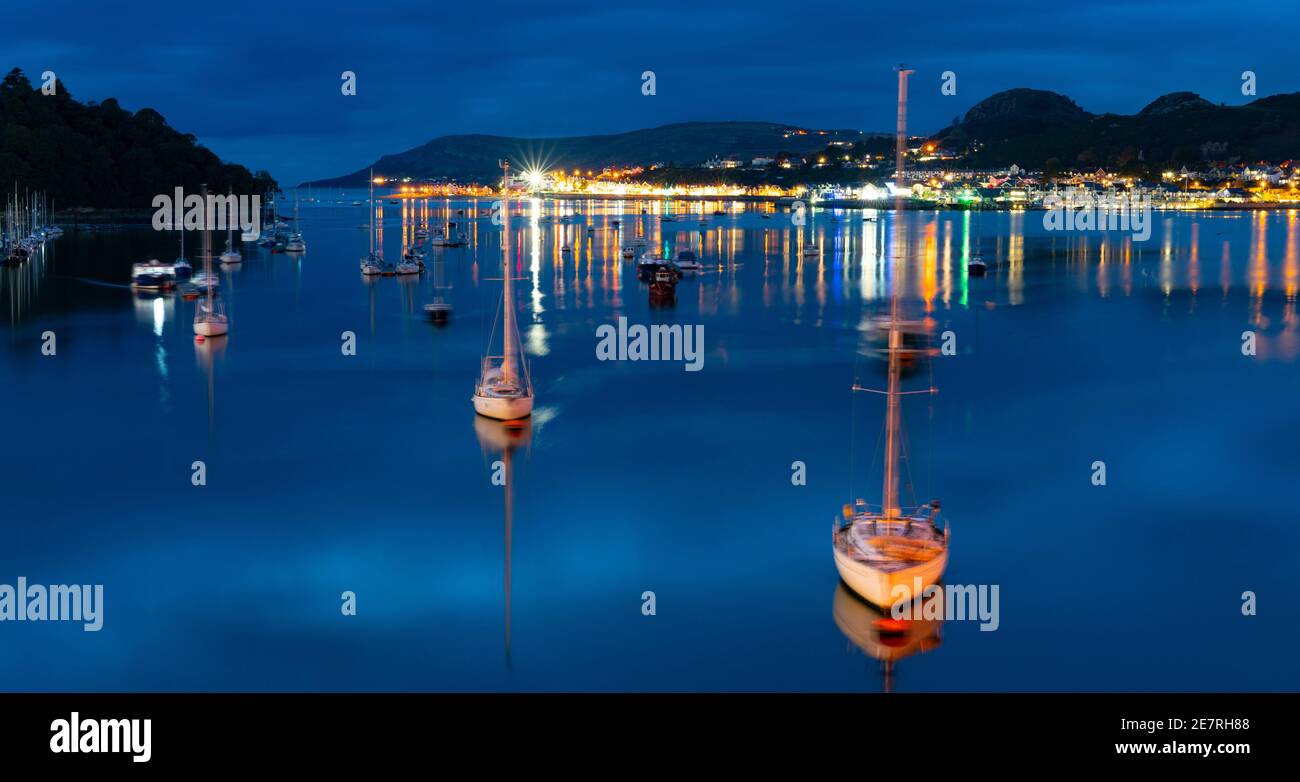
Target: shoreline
x,y
143,217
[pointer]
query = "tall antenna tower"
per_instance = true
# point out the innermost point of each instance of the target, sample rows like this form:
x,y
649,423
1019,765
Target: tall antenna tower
x,y
900,146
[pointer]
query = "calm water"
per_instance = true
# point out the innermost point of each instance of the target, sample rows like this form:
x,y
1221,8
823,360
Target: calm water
x,y
367,473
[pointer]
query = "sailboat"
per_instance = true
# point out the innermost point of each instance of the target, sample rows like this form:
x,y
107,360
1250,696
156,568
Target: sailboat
x,y
976,267
438,310
210,315
504,390
295,244
181,269
891,554
231,256
372,264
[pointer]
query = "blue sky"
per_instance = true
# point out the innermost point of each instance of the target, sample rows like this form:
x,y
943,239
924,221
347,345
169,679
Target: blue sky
x,y
258,83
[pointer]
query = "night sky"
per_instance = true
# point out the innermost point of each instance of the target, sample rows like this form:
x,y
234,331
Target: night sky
x,y
258,83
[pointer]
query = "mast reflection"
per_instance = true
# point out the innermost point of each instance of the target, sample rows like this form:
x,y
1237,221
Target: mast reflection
x,y
504,438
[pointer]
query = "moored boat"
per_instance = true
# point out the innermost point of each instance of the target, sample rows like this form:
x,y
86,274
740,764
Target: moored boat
x,y
504,390
153,275
888,554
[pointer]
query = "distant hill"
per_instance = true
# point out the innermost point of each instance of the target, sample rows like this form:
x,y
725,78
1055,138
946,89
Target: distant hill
x,y
1036,129
100,155
473,158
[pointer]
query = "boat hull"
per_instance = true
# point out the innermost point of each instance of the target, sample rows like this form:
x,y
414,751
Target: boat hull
x,y
503,408
210,328
877,587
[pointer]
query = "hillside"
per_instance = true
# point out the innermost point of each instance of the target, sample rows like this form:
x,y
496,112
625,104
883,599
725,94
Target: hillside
x,y
473,158
1034,128
101,155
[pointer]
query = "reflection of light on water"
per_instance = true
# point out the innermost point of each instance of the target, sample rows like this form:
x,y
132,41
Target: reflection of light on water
x,y
542,415
159,316
537,340
1016,259
535,267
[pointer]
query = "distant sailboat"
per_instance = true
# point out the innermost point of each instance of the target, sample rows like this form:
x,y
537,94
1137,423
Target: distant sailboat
x,y
891,555
231,256
976,267
504,390
295,244
372,264
209,316
181,268
438,310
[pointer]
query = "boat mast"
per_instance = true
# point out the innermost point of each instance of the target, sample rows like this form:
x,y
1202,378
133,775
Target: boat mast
x,y
890,493
372,213
509,369
207,247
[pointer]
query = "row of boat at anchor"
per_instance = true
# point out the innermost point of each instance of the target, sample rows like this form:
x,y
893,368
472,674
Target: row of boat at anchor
x,y
278,238
210,318
155,275
23,230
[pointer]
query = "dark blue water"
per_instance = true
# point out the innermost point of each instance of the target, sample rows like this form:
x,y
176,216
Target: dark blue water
x,y
366,473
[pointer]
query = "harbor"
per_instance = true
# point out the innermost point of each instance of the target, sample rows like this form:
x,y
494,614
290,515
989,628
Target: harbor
x,y
298,436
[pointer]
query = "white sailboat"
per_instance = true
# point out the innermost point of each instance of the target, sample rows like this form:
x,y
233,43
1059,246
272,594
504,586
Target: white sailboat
x,y
231,256
890,555
438,310
295,244
504,390
181,268
210,315
372,264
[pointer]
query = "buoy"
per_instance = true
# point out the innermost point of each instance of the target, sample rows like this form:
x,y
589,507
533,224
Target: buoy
x,y
198,337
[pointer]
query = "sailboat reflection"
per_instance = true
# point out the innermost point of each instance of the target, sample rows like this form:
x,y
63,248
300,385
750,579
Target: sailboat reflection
x,y
505,438
206,353
879,635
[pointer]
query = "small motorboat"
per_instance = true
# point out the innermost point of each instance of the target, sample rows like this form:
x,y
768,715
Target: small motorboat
x,y
976,267
203,281
663,288
295,244
648,263
181,269
651,271
687,262
153,276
